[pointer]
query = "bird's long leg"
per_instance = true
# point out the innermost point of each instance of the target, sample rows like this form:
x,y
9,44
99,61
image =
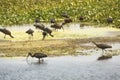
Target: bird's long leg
x,y
51,35
32,36
29,37
102,51
5,36
105,51
42,59
62,28
43,37
39,60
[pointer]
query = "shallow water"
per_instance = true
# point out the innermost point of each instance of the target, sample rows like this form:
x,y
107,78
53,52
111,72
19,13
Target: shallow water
x,y
60,68
71,27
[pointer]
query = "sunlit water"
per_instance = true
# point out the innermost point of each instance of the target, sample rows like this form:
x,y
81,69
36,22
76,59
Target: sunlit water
x,y
60,68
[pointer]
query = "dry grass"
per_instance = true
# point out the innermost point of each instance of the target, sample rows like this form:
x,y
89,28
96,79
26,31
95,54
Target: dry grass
x,y
64,43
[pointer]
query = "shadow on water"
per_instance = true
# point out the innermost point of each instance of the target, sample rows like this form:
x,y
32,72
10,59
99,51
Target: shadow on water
x,y
103,57
37,63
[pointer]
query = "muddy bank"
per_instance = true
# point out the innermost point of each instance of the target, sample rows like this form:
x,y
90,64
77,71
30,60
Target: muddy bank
x,y
55,47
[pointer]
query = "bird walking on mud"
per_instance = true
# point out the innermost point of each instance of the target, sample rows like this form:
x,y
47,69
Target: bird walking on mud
x,y
102,46
6,32
30,32
57,26
37,55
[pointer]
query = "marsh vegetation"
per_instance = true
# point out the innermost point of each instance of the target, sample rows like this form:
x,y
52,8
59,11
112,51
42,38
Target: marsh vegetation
x,y
24,12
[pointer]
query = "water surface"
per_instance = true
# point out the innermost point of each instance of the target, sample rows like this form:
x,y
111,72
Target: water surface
x,y
60,68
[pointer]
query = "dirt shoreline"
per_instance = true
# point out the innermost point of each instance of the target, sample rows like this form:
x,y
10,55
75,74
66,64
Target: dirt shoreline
x,y
52,47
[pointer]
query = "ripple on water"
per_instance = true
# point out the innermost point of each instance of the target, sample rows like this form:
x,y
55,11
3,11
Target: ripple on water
x,y
61,68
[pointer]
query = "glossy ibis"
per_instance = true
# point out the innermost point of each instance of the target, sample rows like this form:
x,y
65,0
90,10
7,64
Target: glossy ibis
x,y
6,32
39,26
30,32
102,46
81,18
57,26
52,20
67,20
37,55
49,31
109,20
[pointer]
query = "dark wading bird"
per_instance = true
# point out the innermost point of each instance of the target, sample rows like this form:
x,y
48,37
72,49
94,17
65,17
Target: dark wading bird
x,y
81,18
43,28
39,26
57,26
102,46
109,20
40,56
6,32
30,32
67,20
52,20
49,31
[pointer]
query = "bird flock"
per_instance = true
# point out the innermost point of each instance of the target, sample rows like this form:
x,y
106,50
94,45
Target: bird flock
x,y
47,31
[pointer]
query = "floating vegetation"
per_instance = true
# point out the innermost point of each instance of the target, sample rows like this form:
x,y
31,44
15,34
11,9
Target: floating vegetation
x,y
14,12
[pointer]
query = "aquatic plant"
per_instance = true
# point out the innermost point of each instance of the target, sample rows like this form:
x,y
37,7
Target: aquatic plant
x,y
24,12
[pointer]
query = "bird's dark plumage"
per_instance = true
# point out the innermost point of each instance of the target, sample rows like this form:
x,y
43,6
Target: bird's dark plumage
x,y
67,20
6,32
109,20
49,31
102,46
81,18
37,55
43,28
52,20
39,26
30,32
57,26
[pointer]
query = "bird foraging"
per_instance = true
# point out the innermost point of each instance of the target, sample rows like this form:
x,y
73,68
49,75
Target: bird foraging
x,y
37,55
102,46
6,32
30,32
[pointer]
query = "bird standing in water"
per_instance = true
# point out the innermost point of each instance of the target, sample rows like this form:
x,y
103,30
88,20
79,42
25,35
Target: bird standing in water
x,y
37,55
102,46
